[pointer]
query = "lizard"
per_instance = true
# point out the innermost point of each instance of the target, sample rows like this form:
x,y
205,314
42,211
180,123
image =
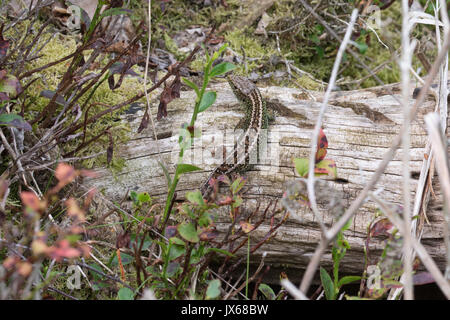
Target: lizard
x,y
256,119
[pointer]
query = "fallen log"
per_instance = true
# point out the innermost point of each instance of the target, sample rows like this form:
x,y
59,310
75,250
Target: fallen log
x,y
360,126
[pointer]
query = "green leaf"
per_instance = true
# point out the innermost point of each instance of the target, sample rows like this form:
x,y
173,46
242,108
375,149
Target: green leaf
x,y
225,252
302,166
14,120
326,167
183,168
320,51
267,291
327,284
10,84
347,280
125,294
176,251
143,197
237,185
219,52
347,225
188,232
133,196
178,241
195,197
205,219
172,269
222,68
207,101
206,52
95,275
114,12
237,201
213,290
166,173
362,47
145,245
126,259
191,85
314,38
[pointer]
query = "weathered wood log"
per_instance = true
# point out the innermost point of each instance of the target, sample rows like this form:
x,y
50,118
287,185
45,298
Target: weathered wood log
x,y
360,126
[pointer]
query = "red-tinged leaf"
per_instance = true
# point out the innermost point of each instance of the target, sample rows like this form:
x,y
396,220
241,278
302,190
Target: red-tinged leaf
x,y
227,201
423,278
10,262
169,93
170,231
31,200
62,249
110,149
74,211
246,227
391,284
382,227
84,249
76,229
144,122
24,268
322,145
65,173
123,240
4,44
49,94
208,234
90,196
224,179
327,167
14,120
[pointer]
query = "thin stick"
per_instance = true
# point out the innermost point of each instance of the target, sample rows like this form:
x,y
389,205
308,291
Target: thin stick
x,y
315,137
148,109
405,64
289,286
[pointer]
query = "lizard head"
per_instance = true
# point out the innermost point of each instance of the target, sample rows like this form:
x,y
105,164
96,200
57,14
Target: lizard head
x,y
242,87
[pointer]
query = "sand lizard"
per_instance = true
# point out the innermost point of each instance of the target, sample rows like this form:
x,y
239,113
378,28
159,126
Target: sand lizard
x,y
256,119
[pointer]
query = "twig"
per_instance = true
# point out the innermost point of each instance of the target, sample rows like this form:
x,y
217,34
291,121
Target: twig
x,y
105,275
147,61
62,293
405,64
289,286
315,137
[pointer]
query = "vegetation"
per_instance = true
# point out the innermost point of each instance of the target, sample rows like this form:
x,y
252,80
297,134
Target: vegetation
x,y
63,94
